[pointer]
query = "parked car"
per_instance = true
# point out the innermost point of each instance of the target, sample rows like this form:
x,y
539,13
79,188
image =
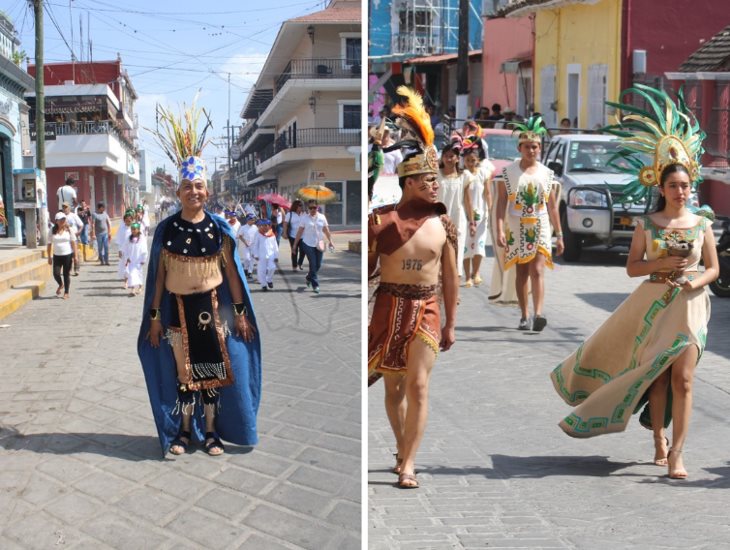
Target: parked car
x,y
502,147
590,211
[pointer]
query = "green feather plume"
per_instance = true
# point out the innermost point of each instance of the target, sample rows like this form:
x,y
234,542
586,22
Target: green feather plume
x,y
641,130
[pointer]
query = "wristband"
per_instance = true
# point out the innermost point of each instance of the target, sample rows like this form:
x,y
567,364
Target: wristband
x,y
155,314
239,309
559,235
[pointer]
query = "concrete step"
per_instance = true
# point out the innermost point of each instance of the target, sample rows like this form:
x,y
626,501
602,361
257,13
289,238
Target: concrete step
x,y
12,258
14,298
38,269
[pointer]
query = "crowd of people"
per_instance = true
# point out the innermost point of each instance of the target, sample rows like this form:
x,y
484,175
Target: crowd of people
x,y
422,247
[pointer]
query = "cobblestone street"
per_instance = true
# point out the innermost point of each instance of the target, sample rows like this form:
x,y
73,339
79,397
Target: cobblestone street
x,y
80,457
497,472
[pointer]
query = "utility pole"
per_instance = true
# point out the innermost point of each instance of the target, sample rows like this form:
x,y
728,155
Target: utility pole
x,y
462,64
228,122
40,140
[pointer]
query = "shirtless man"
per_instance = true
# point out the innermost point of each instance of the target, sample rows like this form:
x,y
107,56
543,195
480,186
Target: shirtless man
x,y
412,242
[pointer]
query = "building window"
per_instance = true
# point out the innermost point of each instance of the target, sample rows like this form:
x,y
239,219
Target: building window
x,y
353,51
350,113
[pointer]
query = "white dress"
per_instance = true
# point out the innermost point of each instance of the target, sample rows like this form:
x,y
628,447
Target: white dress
x,y
121,239
475,245
135,252
451,193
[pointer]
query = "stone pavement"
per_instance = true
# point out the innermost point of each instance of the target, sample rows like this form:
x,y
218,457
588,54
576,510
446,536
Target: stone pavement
x,y
497,472
80,461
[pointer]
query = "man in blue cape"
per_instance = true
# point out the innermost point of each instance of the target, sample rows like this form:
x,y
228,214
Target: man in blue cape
x,y
198,342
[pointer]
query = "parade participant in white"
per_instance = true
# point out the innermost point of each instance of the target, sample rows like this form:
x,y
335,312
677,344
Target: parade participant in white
x,y
266,252
135,254
246,236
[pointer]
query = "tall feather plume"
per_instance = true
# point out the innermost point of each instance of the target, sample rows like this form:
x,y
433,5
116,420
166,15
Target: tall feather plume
x,y
178,134
414,113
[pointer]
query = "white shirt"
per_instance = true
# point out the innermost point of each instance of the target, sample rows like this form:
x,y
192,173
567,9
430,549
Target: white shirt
x,y
66,193
265,248
74,222
313,226
293,219
247,233
62,243
391,161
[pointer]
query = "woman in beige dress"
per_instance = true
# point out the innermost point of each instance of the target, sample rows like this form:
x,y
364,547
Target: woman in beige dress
x,y
648,348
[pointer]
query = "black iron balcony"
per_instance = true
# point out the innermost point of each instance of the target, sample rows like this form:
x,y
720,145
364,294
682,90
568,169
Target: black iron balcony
x,y
319,68
311,137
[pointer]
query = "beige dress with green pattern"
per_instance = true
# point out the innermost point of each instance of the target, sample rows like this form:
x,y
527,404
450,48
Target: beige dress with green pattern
x,y
607,377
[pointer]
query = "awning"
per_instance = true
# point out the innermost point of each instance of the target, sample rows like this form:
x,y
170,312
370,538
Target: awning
x,y
440,59
513,64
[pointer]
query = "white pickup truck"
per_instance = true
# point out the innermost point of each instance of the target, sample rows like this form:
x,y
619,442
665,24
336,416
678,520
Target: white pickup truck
x,y
591,212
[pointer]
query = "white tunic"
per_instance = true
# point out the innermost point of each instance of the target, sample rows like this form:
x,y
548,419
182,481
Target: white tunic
x,y
451,193
135,254
475,244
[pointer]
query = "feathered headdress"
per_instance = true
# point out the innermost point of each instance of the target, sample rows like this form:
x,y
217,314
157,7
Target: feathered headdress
x,y
532,130
181,141
667,132
417,134
473,144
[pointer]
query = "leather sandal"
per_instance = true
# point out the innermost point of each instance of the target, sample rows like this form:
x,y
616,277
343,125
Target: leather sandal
x,y
407,481
178,442
214,443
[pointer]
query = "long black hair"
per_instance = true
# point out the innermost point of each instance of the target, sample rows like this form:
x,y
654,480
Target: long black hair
x,y
668,171
456,149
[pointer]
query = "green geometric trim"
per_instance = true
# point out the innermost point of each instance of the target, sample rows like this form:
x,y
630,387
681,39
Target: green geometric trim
x,y
660,233
680,342
601,422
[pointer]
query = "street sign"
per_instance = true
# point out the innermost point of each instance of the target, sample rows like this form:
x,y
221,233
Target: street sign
x,y
236,152
50,133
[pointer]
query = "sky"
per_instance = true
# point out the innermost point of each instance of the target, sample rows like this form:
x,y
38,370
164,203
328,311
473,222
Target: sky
x,y
172,50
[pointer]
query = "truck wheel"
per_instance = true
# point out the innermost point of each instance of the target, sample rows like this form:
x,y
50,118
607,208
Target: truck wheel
x,y
721,287
573,243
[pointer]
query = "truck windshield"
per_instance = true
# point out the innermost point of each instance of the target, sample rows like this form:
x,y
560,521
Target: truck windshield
x,y
593,156
502,146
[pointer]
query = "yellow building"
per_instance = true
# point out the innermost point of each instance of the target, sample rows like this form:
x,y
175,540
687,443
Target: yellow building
x,y
577,60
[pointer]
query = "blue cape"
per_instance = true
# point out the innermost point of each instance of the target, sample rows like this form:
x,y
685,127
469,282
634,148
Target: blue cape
x,y
239,402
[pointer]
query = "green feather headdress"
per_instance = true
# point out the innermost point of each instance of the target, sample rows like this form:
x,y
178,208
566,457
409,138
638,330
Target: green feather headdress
x,y
179,138
533,129
667,132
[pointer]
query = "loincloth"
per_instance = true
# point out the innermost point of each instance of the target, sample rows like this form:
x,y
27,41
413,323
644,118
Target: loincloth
x,y
400,314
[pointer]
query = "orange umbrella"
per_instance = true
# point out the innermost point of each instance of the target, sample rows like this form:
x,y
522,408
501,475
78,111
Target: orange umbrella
x,y
320,193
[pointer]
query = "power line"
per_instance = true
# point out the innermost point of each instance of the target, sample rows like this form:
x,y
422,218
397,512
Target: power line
x,y
55,24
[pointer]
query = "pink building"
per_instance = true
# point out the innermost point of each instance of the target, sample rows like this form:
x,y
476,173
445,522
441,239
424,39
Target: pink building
x,y
507,63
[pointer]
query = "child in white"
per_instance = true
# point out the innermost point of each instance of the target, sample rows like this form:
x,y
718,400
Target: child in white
x,y
266,252
246,236
135,254
122,237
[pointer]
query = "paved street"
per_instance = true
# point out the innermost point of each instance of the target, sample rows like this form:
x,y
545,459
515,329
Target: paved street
x,y
497,472
80,461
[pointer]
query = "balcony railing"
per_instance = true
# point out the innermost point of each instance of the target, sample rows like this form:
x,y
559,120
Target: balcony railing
x,y
311,137
318,68
75,128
